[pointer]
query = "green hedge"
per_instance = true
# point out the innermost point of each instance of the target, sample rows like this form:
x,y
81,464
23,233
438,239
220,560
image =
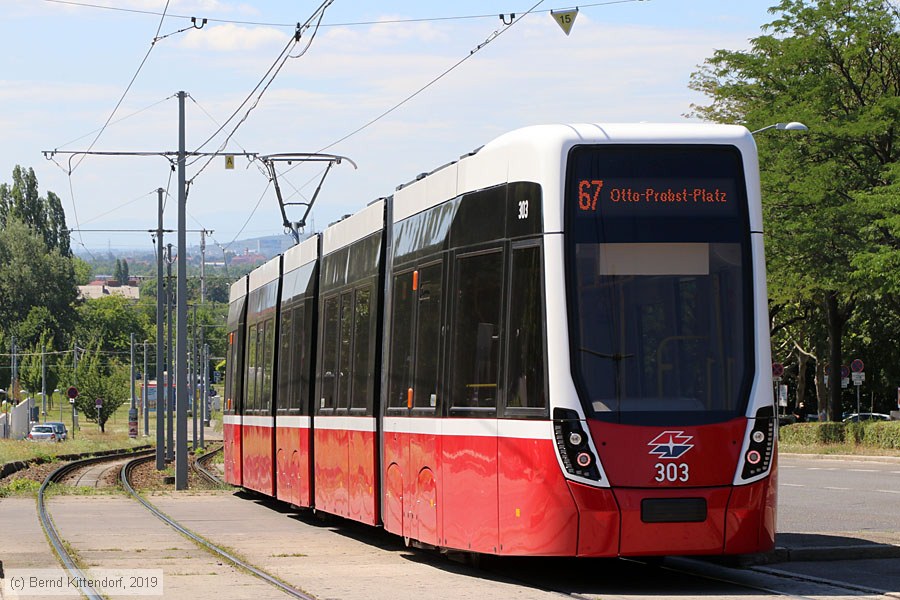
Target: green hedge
x,y
874,434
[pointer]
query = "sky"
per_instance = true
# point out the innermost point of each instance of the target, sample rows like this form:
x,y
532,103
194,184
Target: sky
x,y
66,65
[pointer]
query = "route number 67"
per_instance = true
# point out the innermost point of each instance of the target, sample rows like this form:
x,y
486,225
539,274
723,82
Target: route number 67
x,y
672,472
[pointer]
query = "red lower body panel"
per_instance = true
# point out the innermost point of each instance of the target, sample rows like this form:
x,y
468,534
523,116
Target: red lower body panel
x,y
231,431
345,459
293,468
258,445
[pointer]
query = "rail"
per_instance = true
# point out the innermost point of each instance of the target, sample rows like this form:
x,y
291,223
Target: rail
x,y
47,523
126,483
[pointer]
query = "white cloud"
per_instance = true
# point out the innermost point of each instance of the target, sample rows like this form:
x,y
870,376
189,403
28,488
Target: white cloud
x,y
233,38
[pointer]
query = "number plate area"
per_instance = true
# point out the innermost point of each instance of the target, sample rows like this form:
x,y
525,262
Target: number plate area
x,y
673,510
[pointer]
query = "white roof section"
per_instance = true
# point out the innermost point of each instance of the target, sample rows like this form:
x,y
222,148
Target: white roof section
x,y
538,154
267,273
354,228
302,254
238,289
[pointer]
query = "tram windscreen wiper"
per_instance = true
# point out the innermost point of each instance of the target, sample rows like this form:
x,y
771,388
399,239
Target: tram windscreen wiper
x,y
617,358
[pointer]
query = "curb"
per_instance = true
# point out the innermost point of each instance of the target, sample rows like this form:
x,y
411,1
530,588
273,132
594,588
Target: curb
x,y
850,457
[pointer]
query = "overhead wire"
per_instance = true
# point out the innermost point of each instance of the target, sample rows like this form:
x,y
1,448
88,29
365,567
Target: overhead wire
x,y
156,38
266,81
345,24
489,40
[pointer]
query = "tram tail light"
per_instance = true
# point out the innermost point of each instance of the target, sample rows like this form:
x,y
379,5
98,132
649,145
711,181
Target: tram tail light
x,y
571,441
762,444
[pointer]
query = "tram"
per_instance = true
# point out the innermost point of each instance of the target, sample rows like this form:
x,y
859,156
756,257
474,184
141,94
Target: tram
x,y
556,345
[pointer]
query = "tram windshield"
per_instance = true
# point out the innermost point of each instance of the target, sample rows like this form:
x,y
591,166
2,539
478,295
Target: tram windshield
x,y
659,282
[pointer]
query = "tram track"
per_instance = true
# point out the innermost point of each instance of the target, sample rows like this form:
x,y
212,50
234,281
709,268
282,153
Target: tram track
x,y
47,522
220,552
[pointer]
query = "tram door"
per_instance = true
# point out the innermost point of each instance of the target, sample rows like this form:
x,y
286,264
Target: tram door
x,y
469,459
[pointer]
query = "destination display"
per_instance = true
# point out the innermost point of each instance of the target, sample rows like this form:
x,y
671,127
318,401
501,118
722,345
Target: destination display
x,y
617,196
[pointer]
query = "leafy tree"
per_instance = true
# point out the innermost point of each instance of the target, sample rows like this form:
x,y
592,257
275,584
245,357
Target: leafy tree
x,y
109,322
99,377
38,286
44,216
30,372
835,65
121,272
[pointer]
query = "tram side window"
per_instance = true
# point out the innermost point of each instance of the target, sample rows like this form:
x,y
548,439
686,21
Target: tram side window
x,y
476,332
298,364
250,400
525,366
285,383
428,337
344,356
401,340
305,339
268,366
229,377
329,354
362,355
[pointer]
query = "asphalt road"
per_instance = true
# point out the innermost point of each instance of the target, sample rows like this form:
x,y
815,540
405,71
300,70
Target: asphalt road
x,y
827,496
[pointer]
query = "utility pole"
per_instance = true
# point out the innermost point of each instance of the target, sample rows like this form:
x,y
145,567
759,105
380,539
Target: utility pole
x,y
204,393
74,383
181,325
195,365
43,386
144,396
203,265
132,412
160,343
170,361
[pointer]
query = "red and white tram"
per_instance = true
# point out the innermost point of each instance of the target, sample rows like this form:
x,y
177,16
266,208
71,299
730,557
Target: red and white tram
x,y
557,345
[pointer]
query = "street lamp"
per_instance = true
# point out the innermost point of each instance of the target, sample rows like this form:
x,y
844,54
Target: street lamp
x,y
792,126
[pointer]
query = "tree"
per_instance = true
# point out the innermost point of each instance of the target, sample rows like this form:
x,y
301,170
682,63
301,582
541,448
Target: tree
x,y
44,216
38,286
99,377
835,65
109,323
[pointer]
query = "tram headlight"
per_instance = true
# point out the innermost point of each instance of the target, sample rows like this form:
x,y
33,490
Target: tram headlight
x,y
571,439
762,444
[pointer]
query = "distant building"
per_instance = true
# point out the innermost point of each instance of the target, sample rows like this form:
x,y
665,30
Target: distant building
x,y
101,289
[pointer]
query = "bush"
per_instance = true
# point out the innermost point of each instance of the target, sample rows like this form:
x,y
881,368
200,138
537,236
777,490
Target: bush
x,y
872,434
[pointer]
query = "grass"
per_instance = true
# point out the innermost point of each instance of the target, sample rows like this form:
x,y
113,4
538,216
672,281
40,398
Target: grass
x,y
87,439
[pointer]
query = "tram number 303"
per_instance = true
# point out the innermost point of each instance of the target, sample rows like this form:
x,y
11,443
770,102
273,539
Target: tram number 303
x,y
672,472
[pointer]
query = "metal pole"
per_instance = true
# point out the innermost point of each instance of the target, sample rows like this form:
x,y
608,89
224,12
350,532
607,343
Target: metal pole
x,y
181,380
144,396
132,411
204,395
203,265
160,343
43,386
194,366
170,363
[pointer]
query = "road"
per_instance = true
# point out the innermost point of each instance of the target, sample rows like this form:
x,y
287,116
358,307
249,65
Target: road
x,y
826,496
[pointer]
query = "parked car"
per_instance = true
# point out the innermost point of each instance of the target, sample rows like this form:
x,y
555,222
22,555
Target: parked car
x,y
42,432
62,433
857,417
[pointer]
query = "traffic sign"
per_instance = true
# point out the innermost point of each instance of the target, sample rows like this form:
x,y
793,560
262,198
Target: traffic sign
x,y
777,369
858,378
845,371
72,392
857,366
98,402
565,18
